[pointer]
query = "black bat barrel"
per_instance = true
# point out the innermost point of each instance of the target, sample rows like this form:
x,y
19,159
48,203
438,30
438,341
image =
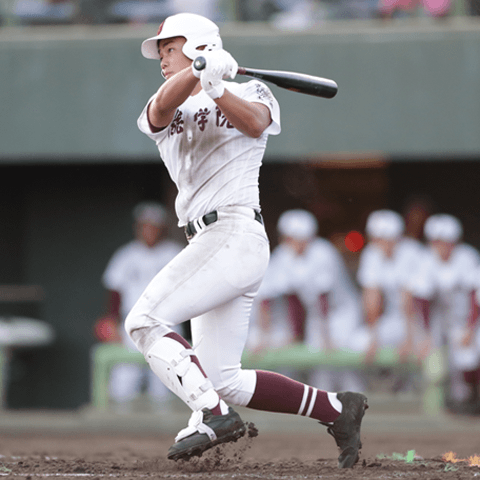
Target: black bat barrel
x,y
297,82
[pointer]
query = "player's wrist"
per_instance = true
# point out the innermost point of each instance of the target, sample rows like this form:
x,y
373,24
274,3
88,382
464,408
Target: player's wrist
x,y
212,85
215,91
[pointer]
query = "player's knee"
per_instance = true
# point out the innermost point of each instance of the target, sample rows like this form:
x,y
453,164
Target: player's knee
x,y
131,323
238,388
143,330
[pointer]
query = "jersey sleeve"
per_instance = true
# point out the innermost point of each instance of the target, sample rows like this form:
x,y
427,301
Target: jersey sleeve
x,y
369,274
112,278
144,125
258,92
423,284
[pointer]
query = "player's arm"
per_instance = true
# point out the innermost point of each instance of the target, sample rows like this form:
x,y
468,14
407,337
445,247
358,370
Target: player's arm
x,y
169,97
472,320
250,118
372,306
408,307
372,300
422,308
324,310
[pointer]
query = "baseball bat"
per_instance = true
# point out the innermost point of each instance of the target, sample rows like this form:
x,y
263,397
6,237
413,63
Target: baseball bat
x,y
296,82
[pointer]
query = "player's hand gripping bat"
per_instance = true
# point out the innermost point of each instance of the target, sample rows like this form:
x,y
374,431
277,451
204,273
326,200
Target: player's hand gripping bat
x,y
297,82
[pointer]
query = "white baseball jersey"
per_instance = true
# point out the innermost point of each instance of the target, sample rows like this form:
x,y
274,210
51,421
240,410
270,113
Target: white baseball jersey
x,y
211,162
391,276
319,270
133,266
448,285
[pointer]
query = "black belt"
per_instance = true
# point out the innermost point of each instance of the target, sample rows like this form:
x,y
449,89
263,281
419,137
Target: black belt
x,y
208,219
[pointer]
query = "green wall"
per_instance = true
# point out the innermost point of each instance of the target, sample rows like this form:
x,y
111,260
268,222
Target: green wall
x,y
404,89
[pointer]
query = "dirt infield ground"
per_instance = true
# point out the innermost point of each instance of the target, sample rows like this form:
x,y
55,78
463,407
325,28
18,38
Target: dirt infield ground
x,y
282,451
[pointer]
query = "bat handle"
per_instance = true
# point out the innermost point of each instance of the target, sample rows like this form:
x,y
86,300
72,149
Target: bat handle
x,y
199,63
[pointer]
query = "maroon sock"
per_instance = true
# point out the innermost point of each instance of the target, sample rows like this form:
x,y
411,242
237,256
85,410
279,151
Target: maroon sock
x,y
277,393
178,338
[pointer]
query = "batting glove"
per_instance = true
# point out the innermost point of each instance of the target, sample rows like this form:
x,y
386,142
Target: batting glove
x,y
219,65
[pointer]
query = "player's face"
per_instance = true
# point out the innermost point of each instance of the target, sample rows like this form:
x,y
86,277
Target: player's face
x,y
149,233
172,58
298,246
387,246
443,249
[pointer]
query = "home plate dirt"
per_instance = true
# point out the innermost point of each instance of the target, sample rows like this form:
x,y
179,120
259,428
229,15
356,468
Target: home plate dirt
x,y
386,455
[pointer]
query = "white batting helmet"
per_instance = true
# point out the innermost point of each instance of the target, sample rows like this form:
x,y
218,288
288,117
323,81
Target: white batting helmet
x,y
385,224
298,224
196,29
150,212
446,228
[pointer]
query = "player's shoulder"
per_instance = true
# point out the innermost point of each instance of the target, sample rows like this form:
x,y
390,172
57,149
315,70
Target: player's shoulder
x,y
124,254
409,249
465,252
253,87
322,245
127,248
371,253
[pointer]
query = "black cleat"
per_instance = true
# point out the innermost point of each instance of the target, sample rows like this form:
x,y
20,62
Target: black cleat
x,y
346,428
226,428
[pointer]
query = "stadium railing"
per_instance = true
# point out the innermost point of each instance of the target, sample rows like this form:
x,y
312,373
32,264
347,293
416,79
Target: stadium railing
x,y
299,357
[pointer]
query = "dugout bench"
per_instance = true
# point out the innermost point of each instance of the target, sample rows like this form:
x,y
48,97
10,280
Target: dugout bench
x,y
300,357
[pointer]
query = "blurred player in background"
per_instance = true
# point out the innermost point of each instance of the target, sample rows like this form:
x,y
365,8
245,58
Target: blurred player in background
x,y
211,135
127,274
442,289
386,265
472,339
312,270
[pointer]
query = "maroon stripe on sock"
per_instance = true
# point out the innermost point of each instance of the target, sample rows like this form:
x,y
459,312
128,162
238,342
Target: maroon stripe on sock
x,y
323,409
307,403
178,338
276,393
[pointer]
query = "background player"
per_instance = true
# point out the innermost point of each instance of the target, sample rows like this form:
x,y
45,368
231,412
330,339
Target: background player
x,y
442,289
126,276
310,268
385,268
212,135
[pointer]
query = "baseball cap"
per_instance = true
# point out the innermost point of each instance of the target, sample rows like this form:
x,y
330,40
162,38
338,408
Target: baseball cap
x,y
446,228
150,212
385,224
298,224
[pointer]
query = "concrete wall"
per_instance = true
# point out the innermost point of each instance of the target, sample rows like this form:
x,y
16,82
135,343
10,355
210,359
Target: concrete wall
x,y
404,89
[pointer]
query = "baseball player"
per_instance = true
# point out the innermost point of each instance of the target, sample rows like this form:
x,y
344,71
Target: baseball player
x,y
312,269
472,338
442,288
126,276
211,135
385,267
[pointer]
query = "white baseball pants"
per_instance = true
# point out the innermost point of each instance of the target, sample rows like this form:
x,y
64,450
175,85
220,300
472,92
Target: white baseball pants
x,y
212,282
